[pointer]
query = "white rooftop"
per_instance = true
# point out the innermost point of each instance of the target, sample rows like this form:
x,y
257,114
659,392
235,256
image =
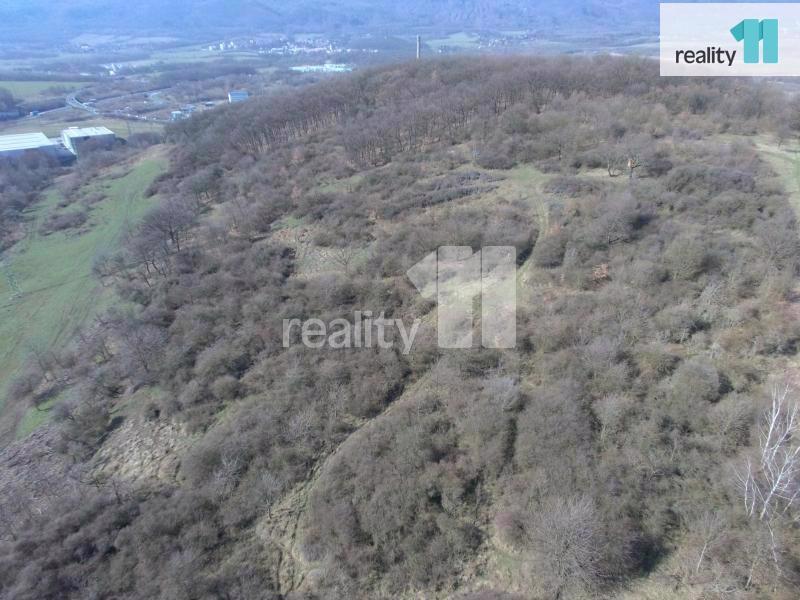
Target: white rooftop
x,y
24,141
86,131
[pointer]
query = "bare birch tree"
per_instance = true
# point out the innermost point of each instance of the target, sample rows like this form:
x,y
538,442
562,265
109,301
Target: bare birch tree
x,y
771,485
770,481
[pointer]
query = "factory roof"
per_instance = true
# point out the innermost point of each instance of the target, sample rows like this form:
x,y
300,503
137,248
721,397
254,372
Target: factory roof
x,y
24,141
238,95
86,131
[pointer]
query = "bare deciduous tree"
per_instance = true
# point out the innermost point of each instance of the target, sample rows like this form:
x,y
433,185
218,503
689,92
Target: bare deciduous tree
x,y
634,162
566,546
170,222
343,257
613,158
770,483
772,486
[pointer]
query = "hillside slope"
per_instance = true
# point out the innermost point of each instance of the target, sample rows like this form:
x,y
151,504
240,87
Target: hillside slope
x,y
211,453
37,17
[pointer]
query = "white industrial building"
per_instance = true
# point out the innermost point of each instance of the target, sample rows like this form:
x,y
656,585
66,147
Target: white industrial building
x,y
65,148
76,137
13,146
237,96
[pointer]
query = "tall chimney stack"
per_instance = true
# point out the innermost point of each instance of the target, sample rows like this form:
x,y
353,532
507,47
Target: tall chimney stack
x,y
419,47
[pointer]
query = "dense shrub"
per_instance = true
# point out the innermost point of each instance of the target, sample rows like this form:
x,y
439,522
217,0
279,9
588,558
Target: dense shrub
x,y
61,221
549,250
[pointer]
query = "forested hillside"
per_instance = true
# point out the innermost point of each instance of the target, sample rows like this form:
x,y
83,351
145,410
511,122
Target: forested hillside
x,y
619,451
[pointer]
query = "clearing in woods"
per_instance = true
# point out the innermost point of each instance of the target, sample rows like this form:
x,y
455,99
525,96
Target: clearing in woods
x,y
52,124
47,289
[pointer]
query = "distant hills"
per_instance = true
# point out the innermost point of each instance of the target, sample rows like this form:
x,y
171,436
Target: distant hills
x,y
44,18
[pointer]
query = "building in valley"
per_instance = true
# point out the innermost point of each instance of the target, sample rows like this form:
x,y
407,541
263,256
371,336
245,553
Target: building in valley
x,y
19,144
237,96
76,138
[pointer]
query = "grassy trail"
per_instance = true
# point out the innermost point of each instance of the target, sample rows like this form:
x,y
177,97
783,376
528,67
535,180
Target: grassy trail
x,y
786,163
47,290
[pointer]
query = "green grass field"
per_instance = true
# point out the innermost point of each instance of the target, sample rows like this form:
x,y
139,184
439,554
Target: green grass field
x,y
52,126
191,54
35,417
462,39
53,274
28,90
